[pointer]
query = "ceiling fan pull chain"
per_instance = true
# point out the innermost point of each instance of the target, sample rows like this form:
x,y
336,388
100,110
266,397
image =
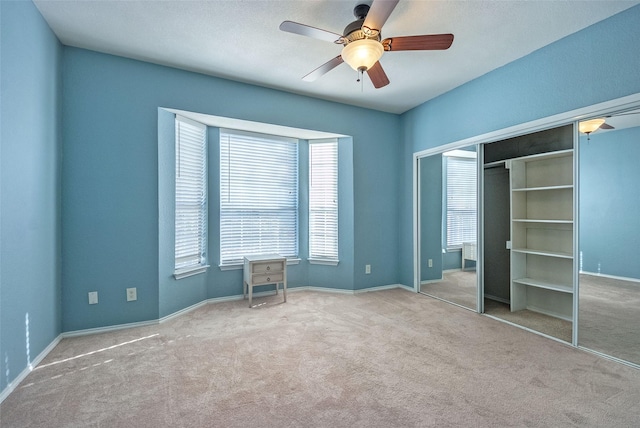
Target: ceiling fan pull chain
x,y
360,79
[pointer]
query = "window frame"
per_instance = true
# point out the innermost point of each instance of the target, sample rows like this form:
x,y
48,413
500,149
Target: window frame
x,y
470,158
254,144
323,200
186,146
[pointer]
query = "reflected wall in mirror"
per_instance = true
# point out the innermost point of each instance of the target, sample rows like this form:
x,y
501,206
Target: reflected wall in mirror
x,y
609,282
448,226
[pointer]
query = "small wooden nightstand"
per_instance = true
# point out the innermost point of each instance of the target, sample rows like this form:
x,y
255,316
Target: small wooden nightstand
x,y
264,269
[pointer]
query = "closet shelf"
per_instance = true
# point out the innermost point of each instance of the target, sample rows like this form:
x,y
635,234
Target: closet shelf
x,y
564,288
558,254
548,221
534,189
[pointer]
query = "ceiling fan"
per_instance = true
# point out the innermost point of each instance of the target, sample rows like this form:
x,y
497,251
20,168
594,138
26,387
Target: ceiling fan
x,y
362,42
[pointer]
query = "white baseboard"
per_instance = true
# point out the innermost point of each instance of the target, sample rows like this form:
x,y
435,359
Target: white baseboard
x,y
620,278
431,281
107,329
383,287
182,312
15,382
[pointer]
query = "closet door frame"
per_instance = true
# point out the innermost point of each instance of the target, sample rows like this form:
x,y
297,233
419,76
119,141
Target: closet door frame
x,y
561,119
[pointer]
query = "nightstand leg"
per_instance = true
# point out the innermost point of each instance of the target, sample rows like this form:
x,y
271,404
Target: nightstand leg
x,y
250,294
284,290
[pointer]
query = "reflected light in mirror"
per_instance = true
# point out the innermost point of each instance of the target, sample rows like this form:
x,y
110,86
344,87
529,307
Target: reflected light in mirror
x,y
588,126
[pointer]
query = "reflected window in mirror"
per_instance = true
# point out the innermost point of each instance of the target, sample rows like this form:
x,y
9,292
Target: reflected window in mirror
x,y
448,224
461,183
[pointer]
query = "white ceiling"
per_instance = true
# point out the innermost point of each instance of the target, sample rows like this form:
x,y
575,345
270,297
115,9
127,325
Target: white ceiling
x,y
240,40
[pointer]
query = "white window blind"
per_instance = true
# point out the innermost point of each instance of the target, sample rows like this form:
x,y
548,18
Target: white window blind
x,y
461,197
323,200
258,196
191,195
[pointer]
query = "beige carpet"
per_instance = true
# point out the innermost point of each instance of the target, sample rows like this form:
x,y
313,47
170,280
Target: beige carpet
x,y
380,359
457,286
609,318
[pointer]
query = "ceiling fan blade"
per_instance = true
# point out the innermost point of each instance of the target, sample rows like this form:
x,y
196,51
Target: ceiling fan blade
x,y
378,76
378,14
306,30
323,69
418,43
606,126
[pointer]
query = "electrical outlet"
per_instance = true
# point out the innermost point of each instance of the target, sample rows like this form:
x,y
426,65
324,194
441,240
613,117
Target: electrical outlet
x,y
93,297
132,294
430,262
367,269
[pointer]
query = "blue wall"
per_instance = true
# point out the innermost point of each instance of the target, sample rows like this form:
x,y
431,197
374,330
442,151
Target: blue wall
x,y
30,244
596,64
112,232
610,203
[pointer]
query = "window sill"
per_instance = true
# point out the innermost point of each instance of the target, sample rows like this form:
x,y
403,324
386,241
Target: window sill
x,y
323,262
238,266
184,273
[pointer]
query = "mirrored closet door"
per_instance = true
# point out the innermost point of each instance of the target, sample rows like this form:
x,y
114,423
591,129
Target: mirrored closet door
x,y
609,237
447,213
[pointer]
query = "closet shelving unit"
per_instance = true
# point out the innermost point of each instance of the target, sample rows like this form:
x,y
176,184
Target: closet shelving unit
x,y
542,233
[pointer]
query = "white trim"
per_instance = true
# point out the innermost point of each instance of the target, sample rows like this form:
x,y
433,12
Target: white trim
x,y
185,273
191,122
107,329
15,382
575,308
416,224
432,281
619,278
260,135
480,230
181,312
325,289
609,357
323,262
381,288
256,127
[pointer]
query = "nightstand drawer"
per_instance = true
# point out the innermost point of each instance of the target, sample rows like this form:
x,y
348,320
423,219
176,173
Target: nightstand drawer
x,y
267,267
267,278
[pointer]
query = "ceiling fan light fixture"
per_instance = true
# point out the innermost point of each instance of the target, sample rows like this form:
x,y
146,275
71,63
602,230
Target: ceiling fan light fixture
x,y
588,126
362,54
